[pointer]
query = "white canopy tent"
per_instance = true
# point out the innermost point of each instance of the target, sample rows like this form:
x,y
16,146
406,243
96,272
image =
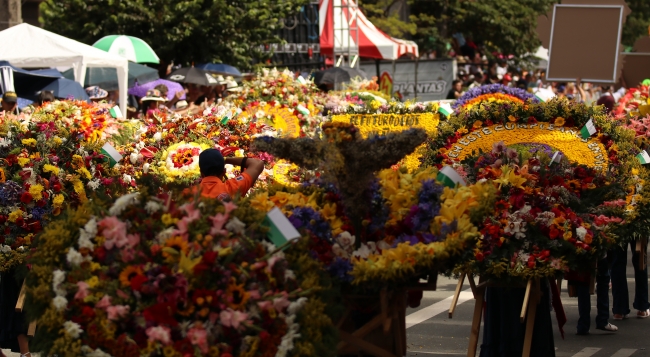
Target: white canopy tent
x,y
28,46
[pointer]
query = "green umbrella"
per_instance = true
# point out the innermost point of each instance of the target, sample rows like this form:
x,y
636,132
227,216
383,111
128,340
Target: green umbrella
x,y
106,78
129,47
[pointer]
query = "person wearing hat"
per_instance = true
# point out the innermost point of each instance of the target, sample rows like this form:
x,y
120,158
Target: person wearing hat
x,y
96,94
10,103
233,87
212,166
150,104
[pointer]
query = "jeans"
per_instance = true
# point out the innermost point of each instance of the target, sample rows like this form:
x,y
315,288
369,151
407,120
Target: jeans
x,y
621,299
602,300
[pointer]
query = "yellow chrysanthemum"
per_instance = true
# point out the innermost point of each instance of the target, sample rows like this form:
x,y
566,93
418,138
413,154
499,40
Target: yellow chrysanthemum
x,y
58,200
13,216
29,142
36,191
51,168
22,161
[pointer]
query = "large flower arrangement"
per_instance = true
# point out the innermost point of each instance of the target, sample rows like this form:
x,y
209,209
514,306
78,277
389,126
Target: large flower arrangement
x,y
548,220
49,160
148,277
493,93
398,224
170,150
367,103
634,102
414,226
513,144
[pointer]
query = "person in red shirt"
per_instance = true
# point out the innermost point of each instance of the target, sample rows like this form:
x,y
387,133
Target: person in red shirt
x,y
212,166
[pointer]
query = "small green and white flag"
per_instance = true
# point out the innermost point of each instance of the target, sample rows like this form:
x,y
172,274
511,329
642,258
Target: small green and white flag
x,y
557,157
449,177
644,157
445,109
111,154
116,112
588,130
543,94
281,230
302,110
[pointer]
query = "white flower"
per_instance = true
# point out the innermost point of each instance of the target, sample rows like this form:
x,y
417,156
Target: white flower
x,y
157,136
581,232
363,252
58,277
94,184
91,227
20,249
289,275
89,352
152,207
545,218
516,227
122,203
74,257
346,240
73,329
235,225
5,248
126,178
133,157
297,305
60,303
145,168
4,142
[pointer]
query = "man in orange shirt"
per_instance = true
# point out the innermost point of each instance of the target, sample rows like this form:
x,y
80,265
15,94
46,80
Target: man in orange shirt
x,y
212,166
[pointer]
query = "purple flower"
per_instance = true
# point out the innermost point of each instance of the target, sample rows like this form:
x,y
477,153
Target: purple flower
x,y
340,268
491,89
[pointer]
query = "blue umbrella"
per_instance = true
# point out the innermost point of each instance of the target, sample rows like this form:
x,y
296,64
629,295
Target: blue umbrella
x,y
65,88
106,78
22,102
220,68
25,81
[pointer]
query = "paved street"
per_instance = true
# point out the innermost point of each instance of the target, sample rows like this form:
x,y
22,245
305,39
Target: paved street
x,y
432,333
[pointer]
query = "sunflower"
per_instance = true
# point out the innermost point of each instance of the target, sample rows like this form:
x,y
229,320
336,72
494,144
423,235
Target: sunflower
x,y
237,296
177,243
559,121
128,273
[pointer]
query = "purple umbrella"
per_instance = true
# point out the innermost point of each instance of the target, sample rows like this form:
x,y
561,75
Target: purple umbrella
x,y
141,90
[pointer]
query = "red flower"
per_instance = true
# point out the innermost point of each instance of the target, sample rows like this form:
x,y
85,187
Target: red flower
x,y
26,198
137,281
162,313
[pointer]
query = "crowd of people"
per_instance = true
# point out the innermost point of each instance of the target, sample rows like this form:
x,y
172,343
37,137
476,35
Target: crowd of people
x,y
193,99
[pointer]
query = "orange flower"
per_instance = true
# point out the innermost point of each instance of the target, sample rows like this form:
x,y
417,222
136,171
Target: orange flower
x,y
129,273
559,121
237,297
512,119
477,124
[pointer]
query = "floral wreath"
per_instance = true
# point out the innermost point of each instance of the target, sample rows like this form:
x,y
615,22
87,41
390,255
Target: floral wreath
x,y
494,93
510,143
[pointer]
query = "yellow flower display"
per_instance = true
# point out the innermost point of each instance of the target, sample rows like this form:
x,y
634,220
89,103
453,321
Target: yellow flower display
x,y
51,168
181,161
382,124
567,140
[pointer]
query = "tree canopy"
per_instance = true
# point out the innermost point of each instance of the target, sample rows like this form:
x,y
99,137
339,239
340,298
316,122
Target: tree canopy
x,y
506,26
183,31
637,22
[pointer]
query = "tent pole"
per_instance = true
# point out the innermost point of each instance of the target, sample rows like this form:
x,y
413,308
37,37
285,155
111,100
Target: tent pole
x,y
417,61
377,68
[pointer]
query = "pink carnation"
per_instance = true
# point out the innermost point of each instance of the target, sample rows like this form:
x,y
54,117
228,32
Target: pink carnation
x,y
159,333
199,337
82,293
114,231
232,318
117,311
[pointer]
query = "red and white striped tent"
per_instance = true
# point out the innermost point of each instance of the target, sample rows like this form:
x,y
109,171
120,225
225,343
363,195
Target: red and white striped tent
x,y
373,43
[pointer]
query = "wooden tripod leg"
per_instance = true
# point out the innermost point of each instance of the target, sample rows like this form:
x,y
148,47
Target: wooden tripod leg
x,y
31,330
454,301
476,322
21,298
524,306
530,323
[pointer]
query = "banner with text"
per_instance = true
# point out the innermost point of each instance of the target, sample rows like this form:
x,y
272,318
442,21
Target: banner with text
x,y
428,80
